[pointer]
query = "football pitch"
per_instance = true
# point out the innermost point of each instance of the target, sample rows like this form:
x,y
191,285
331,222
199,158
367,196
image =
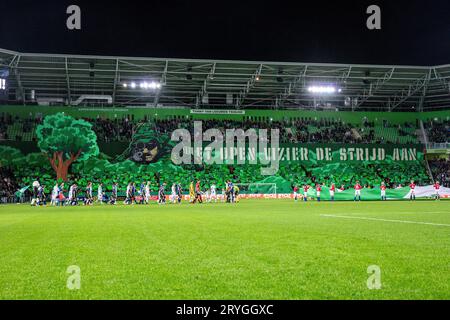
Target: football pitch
x,y
256,249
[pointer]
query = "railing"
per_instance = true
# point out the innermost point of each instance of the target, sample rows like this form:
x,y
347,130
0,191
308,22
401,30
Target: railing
x,y
424,133
440,146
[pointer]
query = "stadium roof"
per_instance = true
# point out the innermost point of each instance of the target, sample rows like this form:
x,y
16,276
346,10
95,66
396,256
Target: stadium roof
x,y
208,83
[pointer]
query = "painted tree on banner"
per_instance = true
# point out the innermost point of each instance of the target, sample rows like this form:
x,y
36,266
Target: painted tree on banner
x,y
65,140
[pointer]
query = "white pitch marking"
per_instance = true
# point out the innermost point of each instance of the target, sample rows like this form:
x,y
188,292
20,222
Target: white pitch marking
x,y
386,220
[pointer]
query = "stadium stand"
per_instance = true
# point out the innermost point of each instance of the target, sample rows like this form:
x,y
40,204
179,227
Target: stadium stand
x,y
18,127
8,185
304,131
438,131
441,171
299,131
112,130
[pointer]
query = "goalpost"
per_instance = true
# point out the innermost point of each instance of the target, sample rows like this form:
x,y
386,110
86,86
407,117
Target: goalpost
x,y
267,189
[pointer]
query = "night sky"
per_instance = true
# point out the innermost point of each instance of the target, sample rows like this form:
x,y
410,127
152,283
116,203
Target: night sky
x,y
413,32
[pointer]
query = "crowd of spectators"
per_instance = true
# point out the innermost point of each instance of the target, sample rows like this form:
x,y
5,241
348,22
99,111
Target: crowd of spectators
x,y
300,130
8,185
438,131
27,125
112,130
3,131
441,171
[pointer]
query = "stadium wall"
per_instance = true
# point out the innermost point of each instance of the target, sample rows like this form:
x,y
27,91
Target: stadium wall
x,y
163,113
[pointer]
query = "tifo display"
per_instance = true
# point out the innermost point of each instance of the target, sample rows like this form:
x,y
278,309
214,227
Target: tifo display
x,y
68,155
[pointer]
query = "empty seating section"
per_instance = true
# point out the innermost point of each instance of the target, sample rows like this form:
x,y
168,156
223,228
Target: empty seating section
x,y
394,134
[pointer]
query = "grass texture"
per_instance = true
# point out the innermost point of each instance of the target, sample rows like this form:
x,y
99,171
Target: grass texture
x,y
256,249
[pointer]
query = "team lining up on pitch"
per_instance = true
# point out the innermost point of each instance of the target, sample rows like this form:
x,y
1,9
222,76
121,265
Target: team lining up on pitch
x,y
230,194
358,187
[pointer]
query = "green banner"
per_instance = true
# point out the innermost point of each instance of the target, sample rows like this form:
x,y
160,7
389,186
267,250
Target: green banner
x,y
350,153
314,153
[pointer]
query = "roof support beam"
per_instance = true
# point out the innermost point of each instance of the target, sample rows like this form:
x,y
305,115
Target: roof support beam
x,y
163,82
404,95
424,93
373,88
204,89
69,96
250,84
445,83
116,81
346,75
295,84
21,93
13,60
144,68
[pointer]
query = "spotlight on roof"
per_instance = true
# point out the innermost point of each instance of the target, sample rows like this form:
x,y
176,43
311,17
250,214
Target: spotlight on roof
x,y
125,85
154,85
144,85
322,89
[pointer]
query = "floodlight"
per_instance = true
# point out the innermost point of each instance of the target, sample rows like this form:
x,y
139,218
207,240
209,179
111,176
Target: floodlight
x,y
322,89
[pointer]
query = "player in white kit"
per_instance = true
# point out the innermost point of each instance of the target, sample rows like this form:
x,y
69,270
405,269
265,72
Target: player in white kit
x,y
55,194
147,193
100,193
213,193
173,196
383,191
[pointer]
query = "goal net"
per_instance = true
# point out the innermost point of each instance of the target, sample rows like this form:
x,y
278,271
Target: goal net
x,y
258,188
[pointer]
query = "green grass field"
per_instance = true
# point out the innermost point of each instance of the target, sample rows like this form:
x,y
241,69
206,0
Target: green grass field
x,y
257,249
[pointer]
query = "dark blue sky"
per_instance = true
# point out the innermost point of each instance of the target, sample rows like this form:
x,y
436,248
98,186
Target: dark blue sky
x,y
413,32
